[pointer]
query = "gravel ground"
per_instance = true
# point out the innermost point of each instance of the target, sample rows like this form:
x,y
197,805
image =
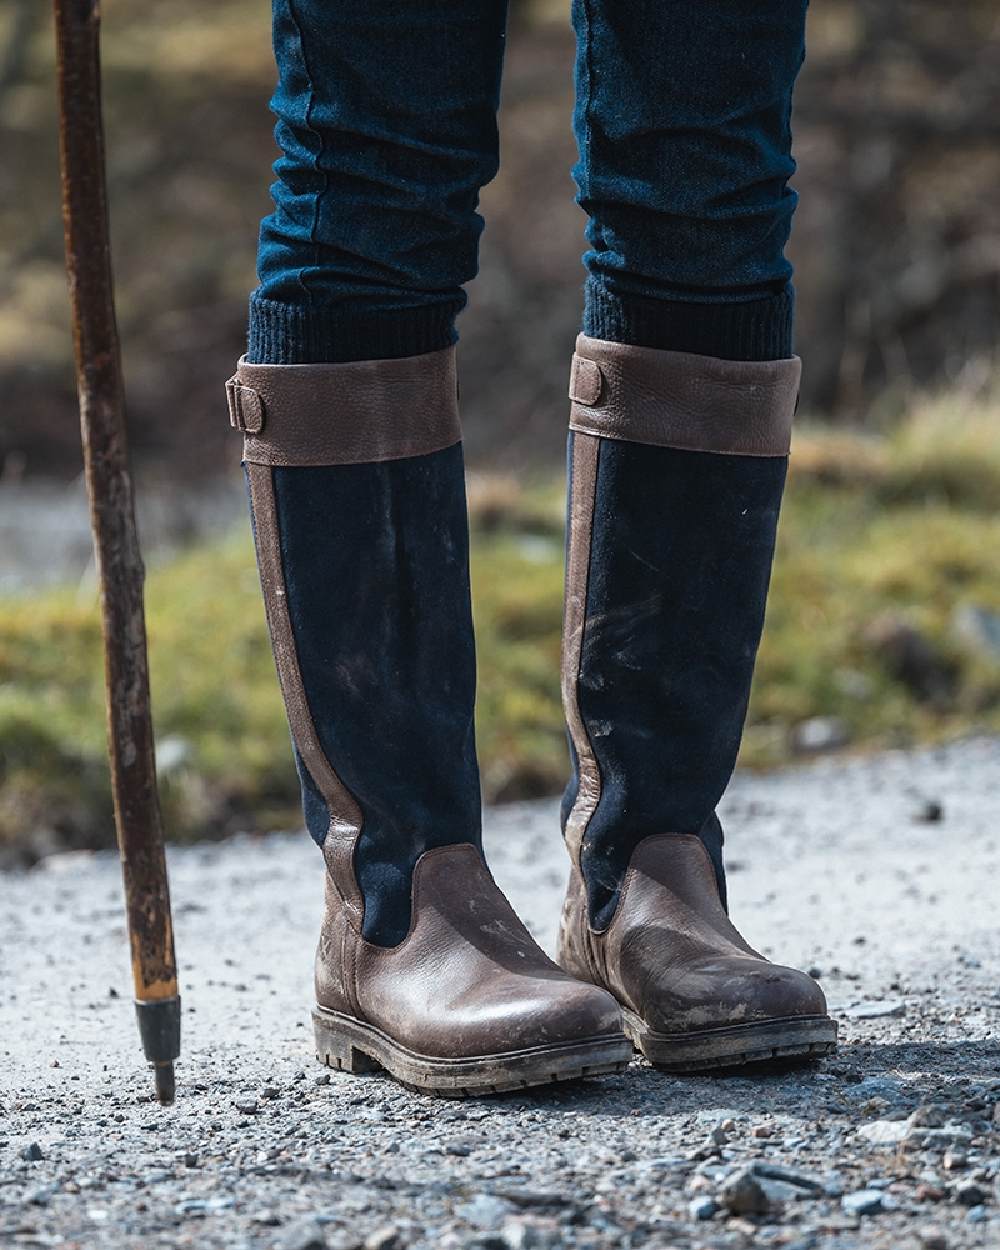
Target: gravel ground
x,y
880,875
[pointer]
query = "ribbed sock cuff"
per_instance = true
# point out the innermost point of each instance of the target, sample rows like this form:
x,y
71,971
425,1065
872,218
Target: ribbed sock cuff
x,y
297,334
758,330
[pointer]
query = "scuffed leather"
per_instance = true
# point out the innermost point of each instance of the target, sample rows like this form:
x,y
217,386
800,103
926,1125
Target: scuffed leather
x,y
334,972
579,529
352,413
671,954
467,980
680,400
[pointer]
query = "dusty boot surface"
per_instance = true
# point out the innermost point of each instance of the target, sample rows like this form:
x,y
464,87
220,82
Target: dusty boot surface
x,y
677,465
467,1003
695,995
357,494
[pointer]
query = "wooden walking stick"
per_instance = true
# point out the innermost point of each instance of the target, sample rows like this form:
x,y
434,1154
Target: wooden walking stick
x,y
116,542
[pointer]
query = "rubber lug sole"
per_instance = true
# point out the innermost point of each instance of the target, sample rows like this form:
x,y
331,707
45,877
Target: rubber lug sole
x,y
350,1045
794,1039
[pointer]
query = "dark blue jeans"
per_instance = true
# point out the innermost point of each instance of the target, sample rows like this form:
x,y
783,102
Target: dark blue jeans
x,y
387,125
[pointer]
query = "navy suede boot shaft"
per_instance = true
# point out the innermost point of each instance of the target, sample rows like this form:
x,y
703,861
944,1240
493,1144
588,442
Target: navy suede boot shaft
x,y
376,561
677,464
365,570
680,561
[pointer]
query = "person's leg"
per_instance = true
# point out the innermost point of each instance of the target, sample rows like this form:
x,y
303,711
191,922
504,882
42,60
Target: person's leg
x,y
347,400
386,120
682,123
683,389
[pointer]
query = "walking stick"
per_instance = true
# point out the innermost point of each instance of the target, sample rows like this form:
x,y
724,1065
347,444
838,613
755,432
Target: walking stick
x,y
116,542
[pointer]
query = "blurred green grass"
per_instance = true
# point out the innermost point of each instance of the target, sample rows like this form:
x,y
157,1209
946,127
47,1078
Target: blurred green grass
x,y
885,541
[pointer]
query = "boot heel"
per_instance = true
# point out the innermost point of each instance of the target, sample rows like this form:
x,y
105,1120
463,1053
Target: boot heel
x,y
335,1045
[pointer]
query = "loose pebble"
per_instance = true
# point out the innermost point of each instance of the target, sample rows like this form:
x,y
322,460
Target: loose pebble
x,y
864,1202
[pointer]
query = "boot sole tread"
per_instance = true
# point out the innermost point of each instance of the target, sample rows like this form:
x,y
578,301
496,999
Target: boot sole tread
x,y
351,1045
793,1039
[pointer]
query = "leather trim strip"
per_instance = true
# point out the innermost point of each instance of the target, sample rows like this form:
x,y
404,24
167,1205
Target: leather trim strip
x,y
354,413
676,399
345,814
583,493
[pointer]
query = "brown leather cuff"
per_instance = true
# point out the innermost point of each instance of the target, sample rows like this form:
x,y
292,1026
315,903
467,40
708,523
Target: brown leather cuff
x,y
353,413
675,399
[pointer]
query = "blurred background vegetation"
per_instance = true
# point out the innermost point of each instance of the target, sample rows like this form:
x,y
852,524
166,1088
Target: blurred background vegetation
x,y
884,624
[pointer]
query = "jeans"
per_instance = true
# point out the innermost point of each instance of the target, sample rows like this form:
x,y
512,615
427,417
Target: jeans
x,y
386,119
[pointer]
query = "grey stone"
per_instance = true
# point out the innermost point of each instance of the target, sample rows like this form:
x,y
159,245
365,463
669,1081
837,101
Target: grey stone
x,y
953,1139
929,1115
969,1194
526,1234
877,1009
387,1238
485,1211
833,1186
743,1194
863,1202
305,1235
884,1132
879,1087
928,811
266,1218
780,1193
702,1208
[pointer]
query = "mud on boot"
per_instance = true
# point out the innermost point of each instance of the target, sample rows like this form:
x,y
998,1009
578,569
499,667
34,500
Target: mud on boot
x,y
677,465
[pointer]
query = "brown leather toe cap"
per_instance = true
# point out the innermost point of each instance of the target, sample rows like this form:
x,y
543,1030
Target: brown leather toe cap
x,y
533,1011
715,992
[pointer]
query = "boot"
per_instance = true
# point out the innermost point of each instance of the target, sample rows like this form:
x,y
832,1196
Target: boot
x,y
677,465
357,497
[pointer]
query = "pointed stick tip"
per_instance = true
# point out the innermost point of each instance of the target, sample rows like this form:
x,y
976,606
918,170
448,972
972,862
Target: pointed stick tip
x,y
163,1074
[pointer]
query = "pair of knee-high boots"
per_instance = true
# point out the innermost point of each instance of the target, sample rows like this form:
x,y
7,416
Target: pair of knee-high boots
x,y
677,464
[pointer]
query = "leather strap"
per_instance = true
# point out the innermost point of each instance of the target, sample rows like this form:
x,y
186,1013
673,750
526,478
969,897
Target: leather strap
x,y
676,399
354,413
